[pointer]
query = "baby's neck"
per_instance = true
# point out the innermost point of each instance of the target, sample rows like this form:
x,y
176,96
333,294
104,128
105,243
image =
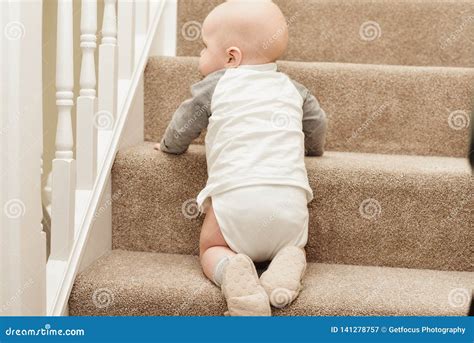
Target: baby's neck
x,y
254,61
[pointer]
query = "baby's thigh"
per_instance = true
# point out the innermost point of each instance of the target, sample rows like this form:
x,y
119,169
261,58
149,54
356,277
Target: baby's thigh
x,y
211,234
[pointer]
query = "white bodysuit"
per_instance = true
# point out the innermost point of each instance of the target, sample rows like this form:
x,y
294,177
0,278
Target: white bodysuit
x,y
259,125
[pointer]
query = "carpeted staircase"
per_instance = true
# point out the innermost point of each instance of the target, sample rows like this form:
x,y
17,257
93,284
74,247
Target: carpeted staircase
x,y
403,32
391,229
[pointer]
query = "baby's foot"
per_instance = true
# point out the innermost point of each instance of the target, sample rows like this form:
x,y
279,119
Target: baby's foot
x,y
242,290
282,279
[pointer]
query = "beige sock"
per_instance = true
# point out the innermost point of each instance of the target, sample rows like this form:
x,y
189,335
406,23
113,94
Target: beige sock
x,y
242,290
219,270
282,279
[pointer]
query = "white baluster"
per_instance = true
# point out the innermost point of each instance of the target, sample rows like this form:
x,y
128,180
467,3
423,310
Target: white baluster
x,y
164,43
86,128
142,8
126,38
64,166
108,69
141,26
47,193
109,24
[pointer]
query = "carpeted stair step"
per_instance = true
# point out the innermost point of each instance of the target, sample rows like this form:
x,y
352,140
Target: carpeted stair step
x,y
124,283
369,209
371,108
403,32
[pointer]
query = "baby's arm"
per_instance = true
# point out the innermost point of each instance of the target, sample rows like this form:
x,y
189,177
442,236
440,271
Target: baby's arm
x,y
191,117
314,123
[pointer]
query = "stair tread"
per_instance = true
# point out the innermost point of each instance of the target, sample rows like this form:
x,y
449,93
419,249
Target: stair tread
x,y
370,108
386,163
141,283
424,202
342,161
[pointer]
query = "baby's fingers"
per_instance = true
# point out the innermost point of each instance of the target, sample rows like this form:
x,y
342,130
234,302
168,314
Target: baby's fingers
x,y
157,146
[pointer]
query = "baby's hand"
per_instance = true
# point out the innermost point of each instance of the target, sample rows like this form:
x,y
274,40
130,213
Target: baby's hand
x,y
157,147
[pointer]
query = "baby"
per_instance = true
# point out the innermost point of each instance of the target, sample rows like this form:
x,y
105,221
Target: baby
x,y
260,124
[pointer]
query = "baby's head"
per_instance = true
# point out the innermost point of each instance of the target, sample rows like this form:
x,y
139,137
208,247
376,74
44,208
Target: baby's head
x,y
241,32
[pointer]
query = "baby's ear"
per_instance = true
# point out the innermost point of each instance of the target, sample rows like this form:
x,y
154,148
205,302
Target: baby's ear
x,y
234,57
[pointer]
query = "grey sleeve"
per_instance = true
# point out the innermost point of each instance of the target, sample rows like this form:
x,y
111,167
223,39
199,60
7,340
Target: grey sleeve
x,y
191,117
314,122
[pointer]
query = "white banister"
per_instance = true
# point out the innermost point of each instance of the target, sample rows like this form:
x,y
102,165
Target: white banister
x,y
153,7
86,130
126,38
119,102
64,167
105,118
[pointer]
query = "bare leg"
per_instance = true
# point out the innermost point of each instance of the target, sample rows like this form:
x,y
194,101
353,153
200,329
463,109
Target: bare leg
x,y
240,284
212,246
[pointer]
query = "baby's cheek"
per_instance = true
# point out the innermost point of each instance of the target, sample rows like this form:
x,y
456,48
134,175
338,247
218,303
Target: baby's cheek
x,y
204,65
201,62
201,67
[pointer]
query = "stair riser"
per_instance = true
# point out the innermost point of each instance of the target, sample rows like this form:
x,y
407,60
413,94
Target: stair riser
x,y
436,33
377,109
419,222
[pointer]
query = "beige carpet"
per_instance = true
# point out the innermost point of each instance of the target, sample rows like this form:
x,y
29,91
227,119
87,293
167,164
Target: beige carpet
x,y
145,284
369,209
405,32
371,108
391,223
